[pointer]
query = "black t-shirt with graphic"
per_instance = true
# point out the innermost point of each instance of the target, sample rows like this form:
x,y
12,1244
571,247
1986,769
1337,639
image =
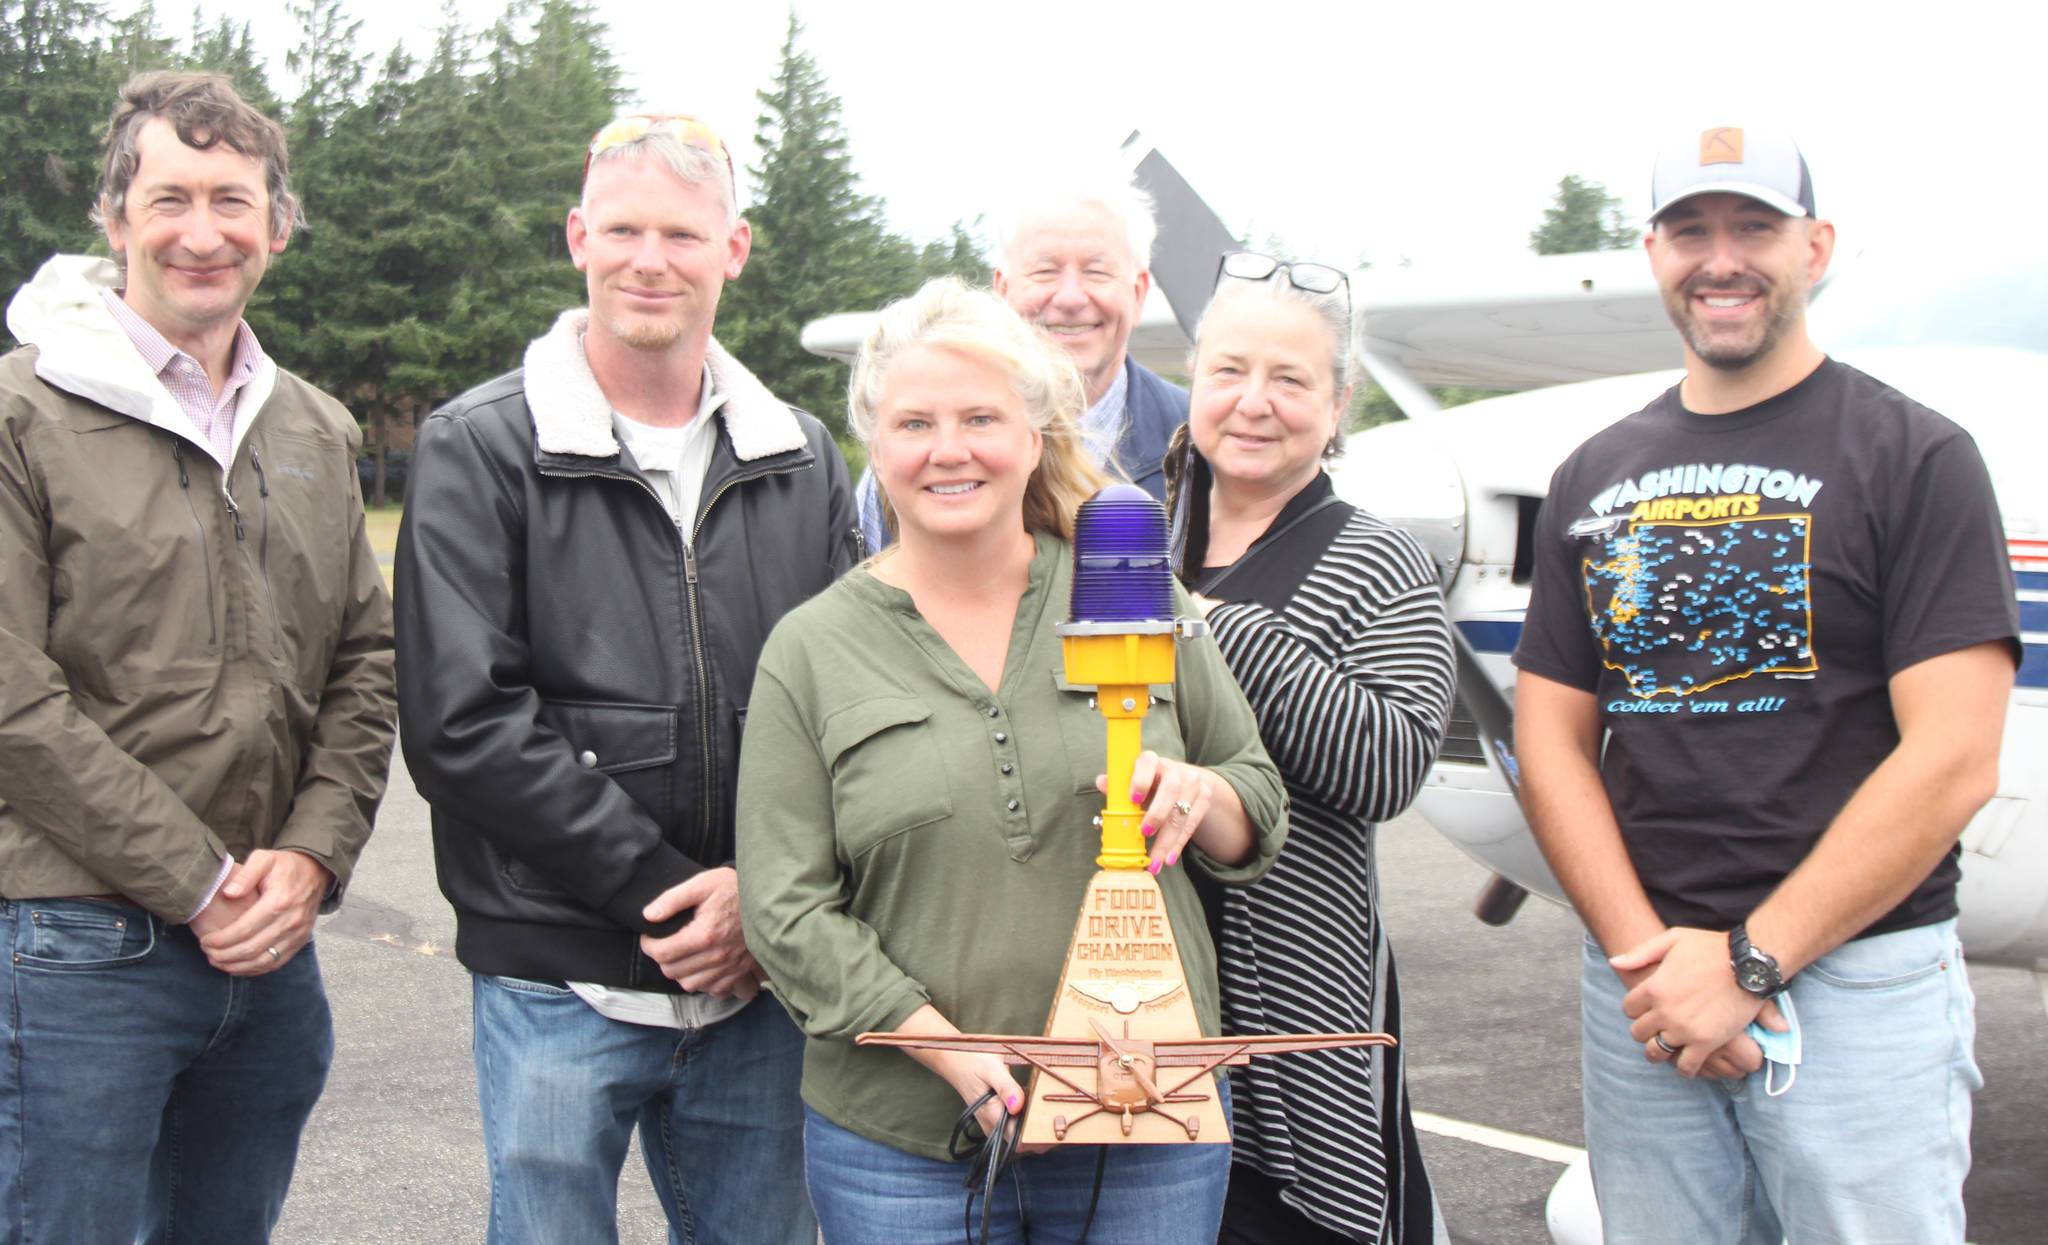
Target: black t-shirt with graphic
x,y
1737,590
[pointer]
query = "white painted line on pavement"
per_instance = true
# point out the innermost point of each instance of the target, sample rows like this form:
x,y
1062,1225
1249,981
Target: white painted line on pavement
x,y
1498,1139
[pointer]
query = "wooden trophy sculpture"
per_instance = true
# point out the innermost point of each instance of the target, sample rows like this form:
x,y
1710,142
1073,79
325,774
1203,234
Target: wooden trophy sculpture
x,y
1123,1059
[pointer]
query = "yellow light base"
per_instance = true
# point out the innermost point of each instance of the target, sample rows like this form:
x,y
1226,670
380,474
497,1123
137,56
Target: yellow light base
x,y
1122,666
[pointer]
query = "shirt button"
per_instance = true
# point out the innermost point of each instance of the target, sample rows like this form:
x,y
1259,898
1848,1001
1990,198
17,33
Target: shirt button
x,y
1007,768
994,712
1013,806
1002,738
587,759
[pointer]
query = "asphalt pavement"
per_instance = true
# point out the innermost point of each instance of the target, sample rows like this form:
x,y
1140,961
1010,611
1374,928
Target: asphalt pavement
x,y
394,1152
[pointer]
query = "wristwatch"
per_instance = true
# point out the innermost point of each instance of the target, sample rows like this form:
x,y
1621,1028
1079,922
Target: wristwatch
x,y
1754,971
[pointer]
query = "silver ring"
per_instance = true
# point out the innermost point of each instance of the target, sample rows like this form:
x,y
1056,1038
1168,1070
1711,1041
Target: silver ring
x,y
1183,807
1665,1046
273,953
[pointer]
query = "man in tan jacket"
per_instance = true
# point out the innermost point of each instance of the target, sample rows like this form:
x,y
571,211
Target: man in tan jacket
x,y
196,700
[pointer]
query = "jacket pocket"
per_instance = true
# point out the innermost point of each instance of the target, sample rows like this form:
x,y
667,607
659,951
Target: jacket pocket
x,y
135,559
80,935
634,746
886,775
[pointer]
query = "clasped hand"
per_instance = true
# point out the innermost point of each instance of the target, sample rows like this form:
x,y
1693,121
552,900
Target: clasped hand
x,y
709,953
263,914
1682,988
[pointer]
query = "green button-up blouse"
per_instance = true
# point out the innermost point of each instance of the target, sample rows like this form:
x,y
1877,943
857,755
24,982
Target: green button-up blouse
x,y
906,836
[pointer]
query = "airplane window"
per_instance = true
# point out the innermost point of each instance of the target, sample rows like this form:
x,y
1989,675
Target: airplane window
x,y
1877,303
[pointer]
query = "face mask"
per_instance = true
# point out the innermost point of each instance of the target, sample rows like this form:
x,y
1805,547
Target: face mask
x,y
1781,1050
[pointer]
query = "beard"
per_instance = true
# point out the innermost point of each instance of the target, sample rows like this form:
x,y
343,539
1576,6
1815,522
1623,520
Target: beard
x,y
1729,347
644,334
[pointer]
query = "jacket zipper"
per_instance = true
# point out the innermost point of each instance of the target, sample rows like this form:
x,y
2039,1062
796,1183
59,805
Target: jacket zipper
x,y
234,511
263,553
205,550
706,752
704,724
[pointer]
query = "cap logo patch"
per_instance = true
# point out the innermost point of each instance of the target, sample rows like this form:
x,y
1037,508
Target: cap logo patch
x,y
1721,145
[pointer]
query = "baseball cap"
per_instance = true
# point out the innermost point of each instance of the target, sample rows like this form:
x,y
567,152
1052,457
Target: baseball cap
x,y
1761,163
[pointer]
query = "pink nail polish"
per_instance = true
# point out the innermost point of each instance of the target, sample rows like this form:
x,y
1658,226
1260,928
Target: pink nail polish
x,y
1153,868
1148,830
1011,1103
1173,858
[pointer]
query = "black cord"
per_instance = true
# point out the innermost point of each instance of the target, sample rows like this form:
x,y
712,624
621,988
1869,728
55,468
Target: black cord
x,y
1101,1161
994,1155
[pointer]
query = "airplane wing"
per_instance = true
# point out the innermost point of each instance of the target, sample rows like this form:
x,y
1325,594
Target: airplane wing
x,y
1036,1048
1516,324
1198,1052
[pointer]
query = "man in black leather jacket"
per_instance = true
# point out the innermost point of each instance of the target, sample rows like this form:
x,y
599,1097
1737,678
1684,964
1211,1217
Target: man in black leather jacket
x,y
594,549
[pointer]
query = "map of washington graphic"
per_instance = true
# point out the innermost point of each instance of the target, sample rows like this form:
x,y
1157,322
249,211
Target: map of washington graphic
x,y
1682,606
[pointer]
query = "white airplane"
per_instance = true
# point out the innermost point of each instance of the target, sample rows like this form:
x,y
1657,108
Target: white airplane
x,y
1965,333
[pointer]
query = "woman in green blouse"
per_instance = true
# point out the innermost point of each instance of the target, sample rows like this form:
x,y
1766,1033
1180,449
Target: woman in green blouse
x,y
918,787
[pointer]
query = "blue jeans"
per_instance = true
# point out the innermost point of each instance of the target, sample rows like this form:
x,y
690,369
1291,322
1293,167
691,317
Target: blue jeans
x,y
867,1192
562,1088
145,1095
1870,1145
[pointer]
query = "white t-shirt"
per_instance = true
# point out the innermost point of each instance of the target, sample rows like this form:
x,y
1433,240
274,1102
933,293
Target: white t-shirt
x,y
673,462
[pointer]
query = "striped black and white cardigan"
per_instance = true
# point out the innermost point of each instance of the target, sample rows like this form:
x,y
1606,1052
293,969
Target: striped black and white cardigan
x,y
1347,663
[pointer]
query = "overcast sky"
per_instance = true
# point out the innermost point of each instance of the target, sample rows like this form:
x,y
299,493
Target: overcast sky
x,y
1434,132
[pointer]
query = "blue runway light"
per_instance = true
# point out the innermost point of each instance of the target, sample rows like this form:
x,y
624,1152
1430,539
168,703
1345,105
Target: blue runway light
x,y
1121,569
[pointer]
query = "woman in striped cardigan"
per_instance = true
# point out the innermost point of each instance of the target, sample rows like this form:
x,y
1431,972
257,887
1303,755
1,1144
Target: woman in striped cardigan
x,y
1333,623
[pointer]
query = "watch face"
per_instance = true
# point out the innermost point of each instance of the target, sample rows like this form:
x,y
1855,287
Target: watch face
x,y
1752,976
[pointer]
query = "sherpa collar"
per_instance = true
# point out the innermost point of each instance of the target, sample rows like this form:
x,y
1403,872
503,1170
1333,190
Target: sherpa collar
x,y
571,415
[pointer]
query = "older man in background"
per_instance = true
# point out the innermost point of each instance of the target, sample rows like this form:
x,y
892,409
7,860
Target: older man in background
x,y
1074,256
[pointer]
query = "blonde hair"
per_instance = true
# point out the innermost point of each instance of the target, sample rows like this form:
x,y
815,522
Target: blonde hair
x,y
949,313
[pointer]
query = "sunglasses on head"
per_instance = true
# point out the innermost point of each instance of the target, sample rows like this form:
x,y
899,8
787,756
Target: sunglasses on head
x,y
687,130
1314,278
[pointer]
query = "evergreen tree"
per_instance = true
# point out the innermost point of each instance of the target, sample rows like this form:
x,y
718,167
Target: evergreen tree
x,y
820,245
329,68
436,203
137,46
227,48
55,98
1583,217
304,289
546,89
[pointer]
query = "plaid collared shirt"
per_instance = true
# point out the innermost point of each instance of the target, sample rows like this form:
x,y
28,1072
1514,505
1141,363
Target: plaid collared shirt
x,y
185,379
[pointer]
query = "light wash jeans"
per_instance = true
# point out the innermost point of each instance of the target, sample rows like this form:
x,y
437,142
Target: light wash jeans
x,y
562,1089
868,1193
1869,1146
144,1094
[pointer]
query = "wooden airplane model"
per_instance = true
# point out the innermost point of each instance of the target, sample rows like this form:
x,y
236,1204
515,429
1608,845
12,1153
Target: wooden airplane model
x,y
1127,1069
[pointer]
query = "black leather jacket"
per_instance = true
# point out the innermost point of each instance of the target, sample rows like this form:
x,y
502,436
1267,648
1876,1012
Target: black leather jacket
x,y
573,679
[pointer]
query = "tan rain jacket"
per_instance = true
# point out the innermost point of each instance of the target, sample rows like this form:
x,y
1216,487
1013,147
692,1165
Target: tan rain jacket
x,y
193,662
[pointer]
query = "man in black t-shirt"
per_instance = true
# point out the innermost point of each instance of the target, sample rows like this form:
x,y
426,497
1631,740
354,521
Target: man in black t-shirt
x,y
1781,591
